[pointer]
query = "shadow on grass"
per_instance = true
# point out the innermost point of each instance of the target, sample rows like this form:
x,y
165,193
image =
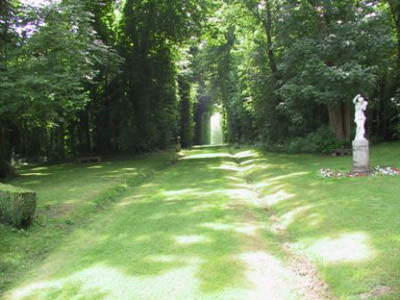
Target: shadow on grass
x,y
176,229
182,233
348,226
68,196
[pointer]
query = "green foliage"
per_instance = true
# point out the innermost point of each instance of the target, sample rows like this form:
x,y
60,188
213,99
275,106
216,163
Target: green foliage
x,y
322,141
279,70
396,118
336,54
186,103
53,60
47,74
284,69
17,206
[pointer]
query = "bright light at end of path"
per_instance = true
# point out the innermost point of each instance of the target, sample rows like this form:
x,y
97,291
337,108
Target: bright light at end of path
x,y
216,129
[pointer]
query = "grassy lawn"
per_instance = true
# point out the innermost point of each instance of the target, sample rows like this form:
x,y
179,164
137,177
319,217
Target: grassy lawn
x,y
68,194
350,227
205,228
188,234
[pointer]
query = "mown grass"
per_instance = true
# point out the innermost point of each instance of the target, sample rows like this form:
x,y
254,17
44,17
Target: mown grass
x,y
68,194
350,227
182,235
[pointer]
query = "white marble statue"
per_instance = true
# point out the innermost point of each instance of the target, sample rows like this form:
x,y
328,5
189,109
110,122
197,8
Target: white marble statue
x,y
361,105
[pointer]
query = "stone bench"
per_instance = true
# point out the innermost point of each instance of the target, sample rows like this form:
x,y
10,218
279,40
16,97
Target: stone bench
x,y
88,159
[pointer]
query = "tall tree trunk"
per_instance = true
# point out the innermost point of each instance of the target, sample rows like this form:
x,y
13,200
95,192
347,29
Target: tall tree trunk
x,y
347,120
268,30
340,120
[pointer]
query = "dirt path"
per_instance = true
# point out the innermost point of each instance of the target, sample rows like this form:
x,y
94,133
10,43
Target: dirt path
x,y
199,230
295,273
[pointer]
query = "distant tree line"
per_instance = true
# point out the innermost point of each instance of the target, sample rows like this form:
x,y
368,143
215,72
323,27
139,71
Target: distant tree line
x,y
102,76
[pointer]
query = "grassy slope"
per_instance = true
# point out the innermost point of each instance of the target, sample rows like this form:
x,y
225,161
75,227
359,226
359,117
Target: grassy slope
x,y
350,227
67,195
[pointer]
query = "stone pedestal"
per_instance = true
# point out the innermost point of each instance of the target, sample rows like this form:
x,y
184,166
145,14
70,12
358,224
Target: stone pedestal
x,y
361,157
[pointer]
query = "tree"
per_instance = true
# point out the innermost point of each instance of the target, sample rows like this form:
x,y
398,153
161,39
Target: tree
x,y
333,56
57,56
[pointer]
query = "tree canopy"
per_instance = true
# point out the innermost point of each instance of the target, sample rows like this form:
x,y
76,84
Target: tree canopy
x,y
109,77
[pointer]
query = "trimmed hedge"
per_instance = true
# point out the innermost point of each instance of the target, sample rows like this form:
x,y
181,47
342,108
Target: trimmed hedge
x,y
17,206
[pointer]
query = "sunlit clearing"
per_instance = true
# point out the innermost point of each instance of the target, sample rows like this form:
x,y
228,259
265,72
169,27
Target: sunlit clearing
x,y
293,215
180,282
270,278
35,174
207,155
350,247
278,197
40,168
191,239
227,166
216,129
246,154
256,161
243,228
179,192
247,195
95,167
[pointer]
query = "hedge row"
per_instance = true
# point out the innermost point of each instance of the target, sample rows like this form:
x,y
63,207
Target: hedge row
x,y
17,206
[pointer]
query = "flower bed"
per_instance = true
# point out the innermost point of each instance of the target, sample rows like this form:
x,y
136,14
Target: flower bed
x,y
376,171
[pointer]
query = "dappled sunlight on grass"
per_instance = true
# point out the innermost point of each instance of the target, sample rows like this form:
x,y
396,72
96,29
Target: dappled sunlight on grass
x,y
40,169
95,167
68,195
345,225
347,247
191,239
278,197
269,276
290,217
246,154
206,155
182,236
118,285
243,228
226,166
131,199
184,192
210,227
35,174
